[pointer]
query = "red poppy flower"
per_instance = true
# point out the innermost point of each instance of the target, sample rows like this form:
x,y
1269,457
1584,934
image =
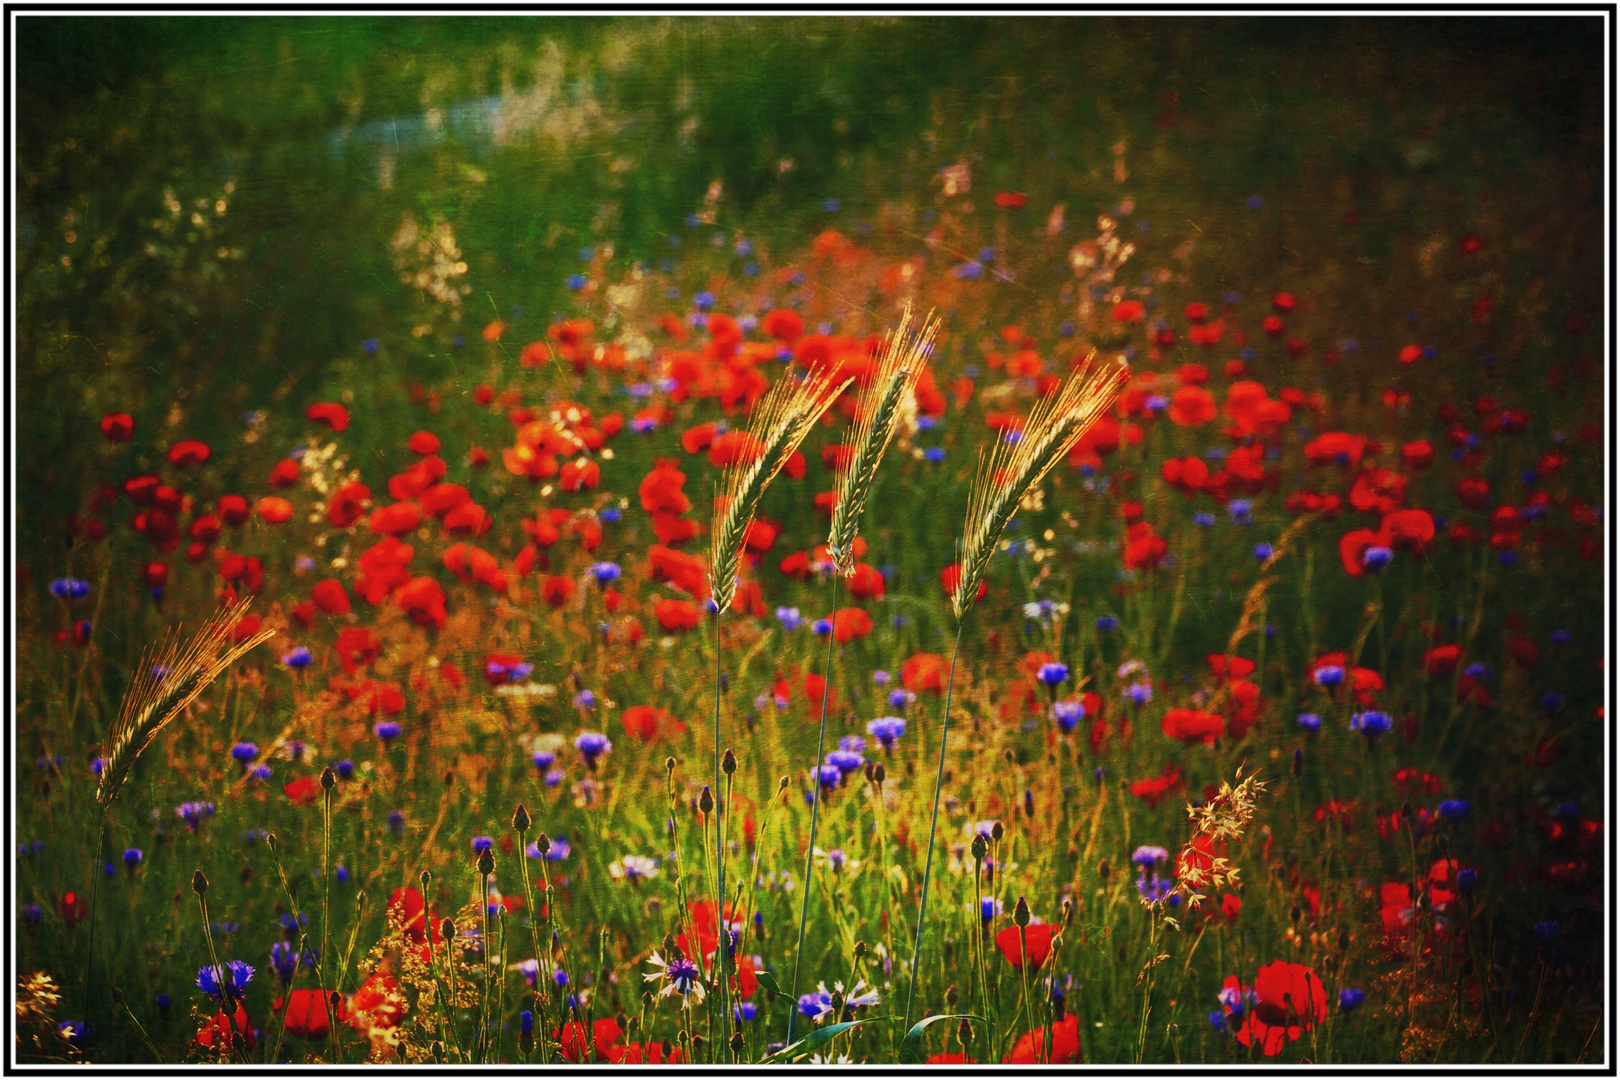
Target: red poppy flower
x,y
866,583
1290,1000
423,600
1032,1047
274,509
1191,405
1192,725
661,490
1188,475
188,452
576,1044
407,907
309,1013
118,427
923,672
677,615
1038,936
849,624
580,475
331,414
235,1032
304,791
1232,667
647,723
685,572
783,325
951,576
1010,200
949,1059
651,1053
395,519
1128,311
377,1005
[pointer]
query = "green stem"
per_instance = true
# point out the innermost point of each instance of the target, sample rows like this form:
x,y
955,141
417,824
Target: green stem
x,y
723,937
810,848
933,825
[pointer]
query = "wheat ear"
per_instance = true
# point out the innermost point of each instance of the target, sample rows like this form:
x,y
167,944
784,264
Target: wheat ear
x,y
152,700
780,422
1009,471
882,401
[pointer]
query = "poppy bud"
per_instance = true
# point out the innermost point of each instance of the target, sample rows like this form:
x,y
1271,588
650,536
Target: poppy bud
x,y
1294,914
334,999
199,883
669,765
1406,811
869,772
425,877
1344,940
782,784
520,819
860,950
697,1043
728,762
447,929
1011,758
964,1033
736,1042
437,1050
951,995
669,946
1029,803
1068,913
706,800
879,774
486,862
1021,913
449,778
328,779
542,843
980,847
1103,870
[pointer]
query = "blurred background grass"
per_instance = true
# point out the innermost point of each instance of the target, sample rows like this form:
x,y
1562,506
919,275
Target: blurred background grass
x,y
556,133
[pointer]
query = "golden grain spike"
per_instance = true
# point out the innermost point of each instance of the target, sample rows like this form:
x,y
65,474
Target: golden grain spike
x,y
880,407
151,702
1011,470
781,420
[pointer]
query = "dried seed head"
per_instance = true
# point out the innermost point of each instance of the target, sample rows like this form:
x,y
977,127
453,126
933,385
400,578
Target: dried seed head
x,y
520,819
199,883
728,762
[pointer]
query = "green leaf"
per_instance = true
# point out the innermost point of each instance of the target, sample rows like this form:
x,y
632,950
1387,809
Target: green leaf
x,y
911,1046
818,1037
768,981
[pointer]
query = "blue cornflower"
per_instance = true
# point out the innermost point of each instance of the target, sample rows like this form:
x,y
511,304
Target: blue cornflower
x,y
989,908
1309,721
899,699
829,775
386,730
1204,519
926,422
1548,930
1371,724
508,672
244,752
745,1012
291,926
592,745
298,659
1376,557
789,617
845,761
703,301
344,769
934,454
585,699
31,914
1476,671
544,759
164,1002
1255,202
1262,552
886,729
1238,511
1467,879
814,1005
1454,809
1551,702
261,773
285,959
1139,693
1106,624
1068,715
576,282
1329,676
605,572
1053,674
1350,999
831,206
1560,637
1148,855
609,514
526,1023
881,677
72,1031
69,588
371,345
482,843
133,857
396,823
554,777
822,627
193,812
229,983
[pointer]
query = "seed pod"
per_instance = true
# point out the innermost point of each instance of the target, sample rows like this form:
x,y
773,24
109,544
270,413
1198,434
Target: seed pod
x,y
669,946
199,883
1406,811
520,819
1068,913
728,762
486,862
449,778
328,779
334,999
869,770
542,843
1012,759
697,1042
706,800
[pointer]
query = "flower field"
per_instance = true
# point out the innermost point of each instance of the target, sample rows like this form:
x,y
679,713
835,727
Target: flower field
x,y
1003,607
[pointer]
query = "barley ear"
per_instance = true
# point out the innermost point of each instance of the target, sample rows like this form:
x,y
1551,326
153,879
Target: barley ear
x,y
1009,471
881,405
164,685
780,421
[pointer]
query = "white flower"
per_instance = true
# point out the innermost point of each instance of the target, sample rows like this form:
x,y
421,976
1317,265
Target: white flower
x,y
633,867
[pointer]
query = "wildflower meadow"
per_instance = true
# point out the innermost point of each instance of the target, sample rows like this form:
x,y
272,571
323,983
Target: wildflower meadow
x,y
1006,541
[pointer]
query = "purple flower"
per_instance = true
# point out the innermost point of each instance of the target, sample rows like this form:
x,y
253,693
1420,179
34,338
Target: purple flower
x,y
592,745
133,857
1350,999
298,659
886,729
193,812
1053,674
1371,724
386,730
229,983
1068,715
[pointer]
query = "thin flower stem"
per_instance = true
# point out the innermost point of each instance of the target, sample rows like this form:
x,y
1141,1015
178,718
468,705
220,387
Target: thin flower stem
x,y
933,825
815,806
723,937
95,889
